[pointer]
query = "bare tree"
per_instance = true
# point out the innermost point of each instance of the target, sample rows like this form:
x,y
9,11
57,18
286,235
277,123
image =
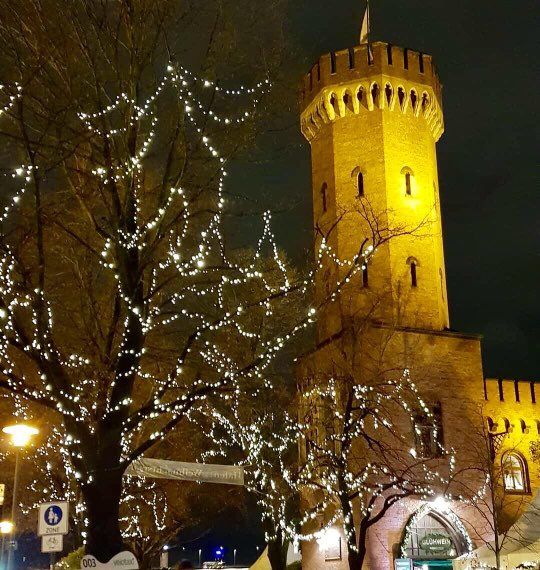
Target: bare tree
x,y
504,498
119,299
360,453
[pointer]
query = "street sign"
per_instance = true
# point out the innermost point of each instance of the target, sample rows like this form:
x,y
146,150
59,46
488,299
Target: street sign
x,y
123,560
2,493
52,543
201,472
53,518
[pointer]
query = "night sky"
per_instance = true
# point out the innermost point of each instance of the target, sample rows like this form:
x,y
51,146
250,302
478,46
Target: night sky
x,y
490,192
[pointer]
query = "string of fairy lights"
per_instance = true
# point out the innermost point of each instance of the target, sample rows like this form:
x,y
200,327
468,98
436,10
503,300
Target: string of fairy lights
x,y
197,255
77,401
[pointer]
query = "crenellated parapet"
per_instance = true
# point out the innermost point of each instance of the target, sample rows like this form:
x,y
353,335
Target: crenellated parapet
x,y
357,80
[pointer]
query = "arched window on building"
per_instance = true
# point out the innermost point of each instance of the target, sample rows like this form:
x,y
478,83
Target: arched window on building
x,y
490,424
365,276
324,189
523,426
360,184
514,473
375,92
507,425
357,176
408,189
413,265
388,91
408,176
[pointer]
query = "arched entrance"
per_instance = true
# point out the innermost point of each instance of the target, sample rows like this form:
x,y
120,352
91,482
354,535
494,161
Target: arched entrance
x,y
433,538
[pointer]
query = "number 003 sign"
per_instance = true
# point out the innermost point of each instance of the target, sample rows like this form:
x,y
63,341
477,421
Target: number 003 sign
x,y
122,561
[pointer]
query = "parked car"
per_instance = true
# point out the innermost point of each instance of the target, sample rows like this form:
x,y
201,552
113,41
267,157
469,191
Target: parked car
x,y
215,564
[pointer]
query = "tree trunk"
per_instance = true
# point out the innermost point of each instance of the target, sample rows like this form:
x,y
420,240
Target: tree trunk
x,y
277,552
102,500
355,558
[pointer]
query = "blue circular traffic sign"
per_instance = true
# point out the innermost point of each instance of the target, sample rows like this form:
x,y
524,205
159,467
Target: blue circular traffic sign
x,y
53,515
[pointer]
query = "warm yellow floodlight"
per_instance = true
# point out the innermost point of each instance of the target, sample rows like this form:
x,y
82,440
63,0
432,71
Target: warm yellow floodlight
x,y
21,434
6,527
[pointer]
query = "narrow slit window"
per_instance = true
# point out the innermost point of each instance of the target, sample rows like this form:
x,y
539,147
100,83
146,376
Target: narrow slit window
x,y
360,184
414,277
332,62
406,58
324,188
365,276
408,190
389,53
351,58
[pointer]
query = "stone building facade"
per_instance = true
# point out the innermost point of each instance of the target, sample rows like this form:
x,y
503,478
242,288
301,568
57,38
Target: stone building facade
x,y
372,116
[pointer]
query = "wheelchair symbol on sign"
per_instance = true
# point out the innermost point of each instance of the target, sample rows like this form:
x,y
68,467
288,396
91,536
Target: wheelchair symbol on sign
x,y
53,515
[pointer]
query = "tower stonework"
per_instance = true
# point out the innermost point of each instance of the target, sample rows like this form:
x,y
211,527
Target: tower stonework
x,y
372,119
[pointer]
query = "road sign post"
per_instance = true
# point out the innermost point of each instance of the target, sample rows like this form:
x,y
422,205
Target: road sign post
x,y
53,518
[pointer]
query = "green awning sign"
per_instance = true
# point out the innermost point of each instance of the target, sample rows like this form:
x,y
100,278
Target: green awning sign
x,y
435,543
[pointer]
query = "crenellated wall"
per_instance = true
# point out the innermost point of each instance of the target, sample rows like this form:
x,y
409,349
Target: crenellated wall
x,y
357,80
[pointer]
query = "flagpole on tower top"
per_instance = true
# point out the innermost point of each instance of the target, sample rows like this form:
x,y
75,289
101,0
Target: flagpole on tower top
x,y
368,24
365,31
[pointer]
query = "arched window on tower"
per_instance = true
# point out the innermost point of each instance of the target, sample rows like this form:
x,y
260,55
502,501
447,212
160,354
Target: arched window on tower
x,y
401,96
375,91
360,184
324,189
389,93
408,175
514,473
408,188
413,268
365,276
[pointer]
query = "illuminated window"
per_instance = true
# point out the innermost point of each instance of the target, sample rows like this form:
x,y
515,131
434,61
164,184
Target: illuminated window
x,y
514,473
324,187
360,184
428,433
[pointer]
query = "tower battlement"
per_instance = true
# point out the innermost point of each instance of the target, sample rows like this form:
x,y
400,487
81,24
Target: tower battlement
x,y
384,77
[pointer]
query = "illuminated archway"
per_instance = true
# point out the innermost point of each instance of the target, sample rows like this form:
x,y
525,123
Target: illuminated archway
x,y
434,531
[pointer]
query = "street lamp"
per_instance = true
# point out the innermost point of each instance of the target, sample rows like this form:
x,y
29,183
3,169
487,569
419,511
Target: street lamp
x,y
20,435
6,527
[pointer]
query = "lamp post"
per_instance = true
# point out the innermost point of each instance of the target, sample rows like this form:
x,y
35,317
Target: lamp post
x,y
20,435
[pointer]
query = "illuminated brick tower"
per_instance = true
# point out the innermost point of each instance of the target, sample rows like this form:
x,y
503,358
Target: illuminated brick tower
x,y
372,119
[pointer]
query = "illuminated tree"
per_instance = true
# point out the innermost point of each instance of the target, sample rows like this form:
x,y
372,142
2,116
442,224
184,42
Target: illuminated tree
x,y
260,434
360,455
123,307
117,287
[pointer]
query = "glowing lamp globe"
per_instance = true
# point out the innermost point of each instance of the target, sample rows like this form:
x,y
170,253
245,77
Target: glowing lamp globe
x,y
6,527
20,434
